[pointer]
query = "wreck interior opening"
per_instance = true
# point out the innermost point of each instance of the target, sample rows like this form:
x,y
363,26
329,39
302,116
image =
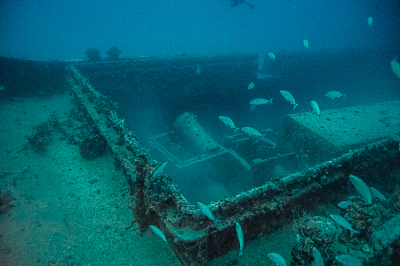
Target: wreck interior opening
x,y
152,93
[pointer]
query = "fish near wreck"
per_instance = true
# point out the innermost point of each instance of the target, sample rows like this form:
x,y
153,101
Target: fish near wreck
x,y
158,232
318,260
395,67
228,122
289,97
252,132
259,101
361,188
344,204
348,260
315,108
206,211
306,43
390,121
344,223
334,94
160,170
377,194
396,138
239,232
271,56
251,86
278,259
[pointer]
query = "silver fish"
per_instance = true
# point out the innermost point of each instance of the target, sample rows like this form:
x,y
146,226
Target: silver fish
x,y
315,107
252,132
347,260
228,122
206,211
259,101
344,204
289,97
318,260
251,86
278,259
343,222
377,194
395,67
395,137
271,56
158,232
306,44
239,232
361,188
334,94
160,170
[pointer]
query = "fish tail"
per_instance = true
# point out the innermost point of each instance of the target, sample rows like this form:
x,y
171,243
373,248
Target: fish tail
x,y
294,107
352,232
240,253
271,100
236,129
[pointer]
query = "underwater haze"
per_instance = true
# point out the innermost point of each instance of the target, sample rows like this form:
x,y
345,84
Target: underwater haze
x,y
48,30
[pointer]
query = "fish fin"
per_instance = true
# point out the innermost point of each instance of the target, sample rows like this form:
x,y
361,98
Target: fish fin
x,y
271,100
294,107
344,95
240,254
236,129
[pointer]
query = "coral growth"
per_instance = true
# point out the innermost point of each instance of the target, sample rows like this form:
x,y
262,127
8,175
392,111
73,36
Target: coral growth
x,y
113,53
5,202
41,135
93,55
359,214
93,146
317,232
396,198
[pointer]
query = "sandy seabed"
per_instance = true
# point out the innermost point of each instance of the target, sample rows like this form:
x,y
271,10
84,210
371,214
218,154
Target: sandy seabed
x,y
66,210
70,211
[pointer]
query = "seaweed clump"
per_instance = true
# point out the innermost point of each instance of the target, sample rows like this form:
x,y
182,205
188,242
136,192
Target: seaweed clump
x,y
5,202
93,146
41,134
113,53
93,55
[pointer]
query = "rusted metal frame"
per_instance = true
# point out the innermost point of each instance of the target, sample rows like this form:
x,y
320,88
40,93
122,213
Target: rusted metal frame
x,y
136,163
265,209
253,209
